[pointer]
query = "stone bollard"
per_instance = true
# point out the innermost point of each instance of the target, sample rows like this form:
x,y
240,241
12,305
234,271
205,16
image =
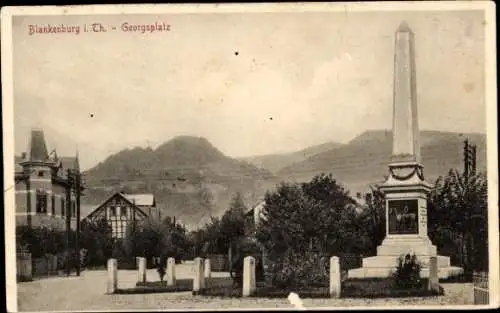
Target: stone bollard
x,y
433,283
170,272
207,268
335,273
248,276
112,276
141,273
199,279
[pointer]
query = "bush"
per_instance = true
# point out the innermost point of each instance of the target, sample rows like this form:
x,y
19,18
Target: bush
x,y
299,269
151,238
96,238
384,288
407,274
41,240
124,261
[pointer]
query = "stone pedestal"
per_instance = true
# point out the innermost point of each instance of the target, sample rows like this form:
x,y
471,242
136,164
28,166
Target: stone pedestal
x,y
207,268
170,272
141,270
249,282
433,283
406,226
335,275
199,278
112,283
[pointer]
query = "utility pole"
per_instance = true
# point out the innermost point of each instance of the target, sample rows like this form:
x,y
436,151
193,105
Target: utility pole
x,y
469,158
28,200
69,184
133,217
473,159
466,158
78,185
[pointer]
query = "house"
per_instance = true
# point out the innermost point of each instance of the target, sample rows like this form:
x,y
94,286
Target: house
x,y
121,209
44,186
255,215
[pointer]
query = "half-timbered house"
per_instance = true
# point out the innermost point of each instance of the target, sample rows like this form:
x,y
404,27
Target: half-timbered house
x,y
121,209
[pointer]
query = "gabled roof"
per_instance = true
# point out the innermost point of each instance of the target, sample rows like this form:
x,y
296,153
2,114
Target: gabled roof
x,y
69,162
258,206
141,199
121,195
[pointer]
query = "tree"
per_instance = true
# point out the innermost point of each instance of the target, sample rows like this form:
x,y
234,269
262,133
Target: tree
x,y
372,219
302,218
458,204
333,215
96,237
152,238
232,224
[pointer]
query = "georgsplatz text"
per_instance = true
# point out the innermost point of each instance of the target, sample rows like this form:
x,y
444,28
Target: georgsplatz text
x,y
126,27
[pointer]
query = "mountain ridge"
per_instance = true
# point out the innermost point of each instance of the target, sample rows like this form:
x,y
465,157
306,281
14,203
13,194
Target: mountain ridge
x,y
193,180
273,162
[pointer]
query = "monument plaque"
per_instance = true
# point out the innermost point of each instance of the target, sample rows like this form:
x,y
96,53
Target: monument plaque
x,y
403,217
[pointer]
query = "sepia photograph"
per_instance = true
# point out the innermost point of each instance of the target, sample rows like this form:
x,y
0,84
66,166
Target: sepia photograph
x,y
250,156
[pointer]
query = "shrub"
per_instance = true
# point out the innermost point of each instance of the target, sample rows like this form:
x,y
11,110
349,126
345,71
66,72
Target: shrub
x,y
83,258
299,269
407,273
124,260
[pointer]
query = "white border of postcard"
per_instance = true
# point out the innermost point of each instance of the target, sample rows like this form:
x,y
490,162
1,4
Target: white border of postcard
x,y
490,88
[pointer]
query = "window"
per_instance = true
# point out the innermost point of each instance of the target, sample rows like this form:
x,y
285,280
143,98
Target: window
x,y
41,173
53,209
63,207
112,211
123,211
41,201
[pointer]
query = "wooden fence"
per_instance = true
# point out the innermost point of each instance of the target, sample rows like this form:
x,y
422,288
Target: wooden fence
x,y
481,293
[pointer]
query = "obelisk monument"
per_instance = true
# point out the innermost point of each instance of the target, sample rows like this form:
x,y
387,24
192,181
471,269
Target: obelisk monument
x,y
405,189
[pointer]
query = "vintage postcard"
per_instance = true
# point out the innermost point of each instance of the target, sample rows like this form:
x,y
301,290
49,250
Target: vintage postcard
x,y
250,156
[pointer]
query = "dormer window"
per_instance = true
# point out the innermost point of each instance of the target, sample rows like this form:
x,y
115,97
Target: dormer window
x,y
41,173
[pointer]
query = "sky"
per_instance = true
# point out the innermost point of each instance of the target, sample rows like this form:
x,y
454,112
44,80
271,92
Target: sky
x,y
251,83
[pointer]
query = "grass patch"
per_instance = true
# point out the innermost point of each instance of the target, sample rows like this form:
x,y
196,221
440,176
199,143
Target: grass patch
x,y
181,285
384,288
223,287
351,288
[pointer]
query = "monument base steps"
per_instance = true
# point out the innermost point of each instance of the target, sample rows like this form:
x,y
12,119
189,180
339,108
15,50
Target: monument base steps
x,y
373,272
385,262
381,261
401,245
